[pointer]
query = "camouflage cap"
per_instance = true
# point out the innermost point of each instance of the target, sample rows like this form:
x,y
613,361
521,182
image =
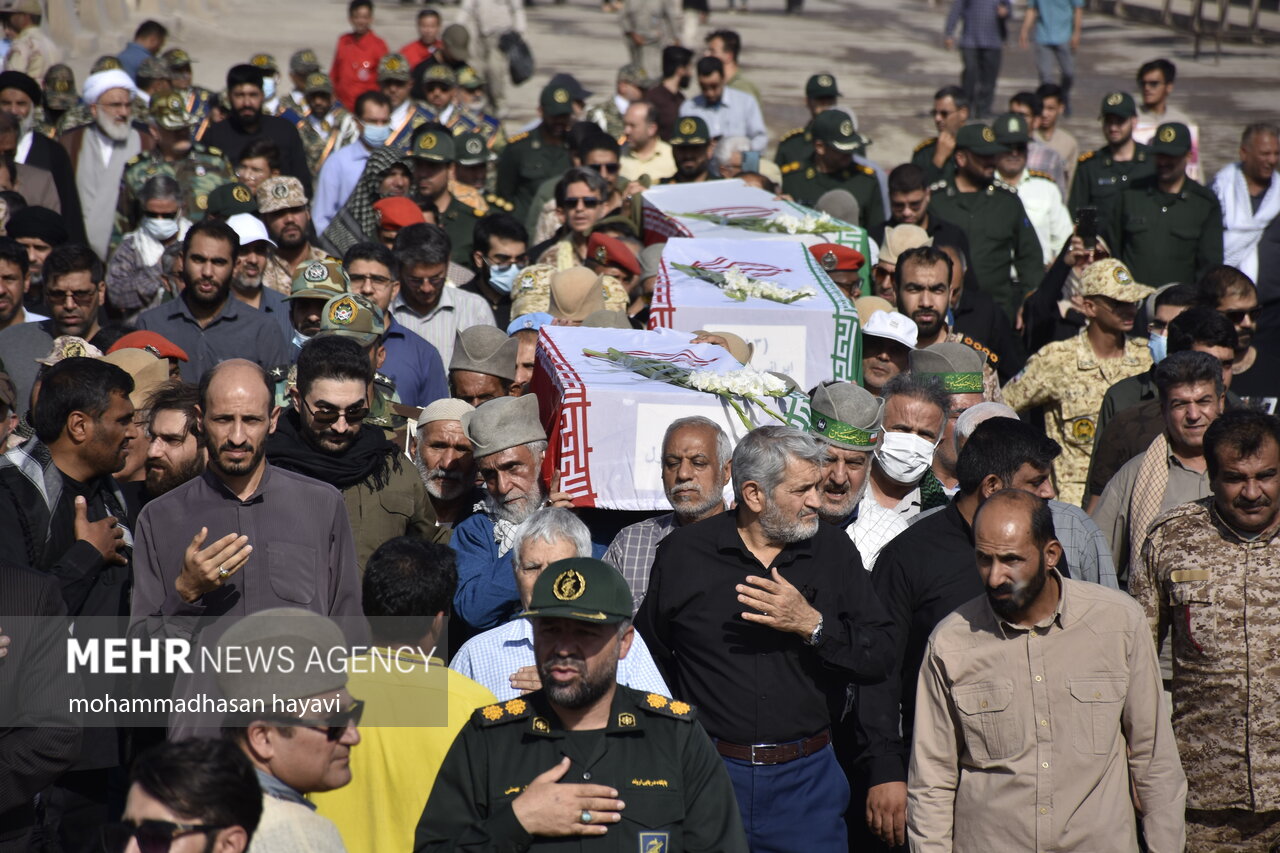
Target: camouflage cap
x,y
393,66
265,61
169,112
319,280
633,74
470,149
31,7
580,588
440,75
60,88
153,69
1119,104
821,86
105,63
317,82
432,145
280,192
469,78
691,130
1111,278
69,346
177,58
555,101
226,200
353,316
304,62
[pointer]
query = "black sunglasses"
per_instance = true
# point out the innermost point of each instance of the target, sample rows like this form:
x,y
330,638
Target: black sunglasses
x,y
153,836
328,417
590,202
602,168
335,726
1237,317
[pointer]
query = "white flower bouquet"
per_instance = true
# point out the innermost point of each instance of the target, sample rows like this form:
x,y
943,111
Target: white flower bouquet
x,y
737,285
782,223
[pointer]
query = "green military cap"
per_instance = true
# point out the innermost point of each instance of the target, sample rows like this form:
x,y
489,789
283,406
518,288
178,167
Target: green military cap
x,y
846,416
169,112
430,144
439,74
317,82
821,86
1011,129
60,88
176,58
633,74
468,78
393,66
351,315
304,62
835,127
1172,138
265,61
1119,104
581,588
980,139
153,69
958,366
691,130
555,101
470,149
319,280
227,200
105,63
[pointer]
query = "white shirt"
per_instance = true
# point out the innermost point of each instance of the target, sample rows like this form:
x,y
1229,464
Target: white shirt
x,y
1049,216
877,525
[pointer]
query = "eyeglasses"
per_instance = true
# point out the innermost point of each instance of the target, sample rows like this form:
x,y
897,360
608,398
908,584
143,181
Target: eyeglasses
x,y
173,215
81,297
334,726
590,202
1237,317
153,836
328,417
434,281
375,280
506,260
605,168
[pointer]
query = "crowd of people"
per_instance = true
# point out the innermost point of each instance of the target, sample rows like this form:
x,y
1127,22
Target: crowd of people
x,y
273,374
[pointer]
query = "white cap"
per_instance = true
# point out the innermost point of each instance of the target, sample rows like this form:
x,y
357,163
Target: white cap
x,y
894,326
249,229
444,409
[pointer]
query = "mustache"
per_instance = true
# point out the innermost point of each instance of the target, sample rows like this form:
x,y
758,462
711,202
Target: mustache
x,y
226,445
442,474
1242,503
680,488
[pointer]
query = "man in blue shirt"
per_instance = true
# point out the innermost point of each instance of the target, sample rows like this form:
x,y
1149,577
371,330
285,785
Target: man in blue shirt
x,y
727,112
1057,37
148,41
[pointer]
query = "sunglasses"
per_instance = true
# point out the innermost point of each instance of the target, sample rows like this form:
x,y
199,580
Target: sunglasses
x,y
153,836
590,202
1237,317
328,417
334,726
605,168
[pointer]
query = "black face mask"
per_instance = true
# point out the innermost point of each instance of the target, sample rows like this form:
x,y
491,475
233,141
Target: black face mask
x,y
685,80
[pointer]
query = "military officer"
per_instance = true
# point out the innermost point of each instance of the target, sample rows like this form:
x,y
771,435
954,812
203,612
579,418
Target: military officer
x,y
31,51
273,104
406,114
531,158
991,217
439,83
1102,173
936,155
314,285
1167,228
583,763
432,153
350,315
842,265
195,99
327,126
472,112
831,167
1069,378
197,168
471,172
59,96
820,93
302,65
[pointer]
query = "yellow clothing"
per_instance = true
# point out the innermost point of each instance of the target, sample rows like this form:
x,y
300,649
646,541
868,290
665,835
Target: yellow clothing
x,y
410,721
660,166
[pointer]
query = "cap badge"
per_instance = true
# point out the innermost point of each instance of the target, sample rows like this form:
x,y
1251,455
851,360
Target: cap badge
x,y
173,102
988,135
474,146
602,254
569,586
61,86
151,349
241,194
560,96
260,60
315,272
427,141
825,80
1167,134
74,349
280,191
829,261
1114,99
1122,276
202,201
820,424
846,128
343,311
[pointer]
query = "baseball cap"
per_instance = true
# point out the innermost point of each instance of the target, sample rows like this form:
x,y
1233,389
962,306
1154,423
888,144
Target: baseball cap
x,y
176,57
153,342
1171,138
469,79
1119,104
835,127
555,101
226,200
691,130
304,62
393,66
894,326
350,315
441,74
280,192
457,40
265,635
153,69
432,145
1012,129
264,61
576,90
980,139
1111,278
69,346
319,280
249,229
580,588
317,81
633,74
60,88
169,112
821,86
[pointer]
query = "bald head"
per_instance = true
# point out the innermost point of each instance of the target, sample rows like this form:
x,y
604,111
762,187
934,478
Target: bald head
x,y
237,413
1015,547
237,374
1017,511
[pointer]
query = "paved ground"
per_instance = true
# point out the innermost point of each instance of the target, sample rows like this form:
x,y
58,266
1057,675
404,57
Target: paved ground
x,y
886,54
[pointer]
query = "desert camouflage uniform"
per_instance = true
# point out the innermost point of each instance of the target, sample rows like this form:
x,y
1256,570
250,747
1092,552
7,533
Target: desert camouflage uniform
x,y
278,277
1069,381
531,291
1219,594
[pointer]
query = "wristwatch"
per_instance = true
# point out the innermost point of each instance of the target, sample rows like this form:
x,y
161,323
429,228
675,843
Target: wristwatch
x,y
816,636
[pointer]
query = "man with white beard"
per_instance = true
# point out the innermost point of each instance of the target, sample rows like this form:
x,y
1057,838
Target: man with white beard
x,y
100,151
508,443
846,417
445,461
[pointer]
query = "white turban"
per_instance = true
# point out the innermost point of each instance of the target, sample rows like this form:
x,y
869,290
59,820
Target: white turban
x,y
97,85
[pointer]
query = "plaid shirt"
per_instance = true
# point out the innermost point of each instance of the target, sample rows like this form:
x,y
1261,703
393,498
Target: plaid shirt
x,y
633,549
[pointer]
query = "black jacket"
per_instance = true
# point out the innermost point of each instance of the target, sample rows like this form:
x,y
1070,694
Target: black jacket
x,y
229,136
47,154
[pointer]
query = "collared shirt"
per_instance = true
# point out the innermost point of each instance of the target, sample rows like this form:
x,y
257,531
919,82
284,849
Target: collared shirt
x,y
414,365
666,103
982,25
490,658
661,164
338,177
455,311
735,114
237,332
877,525
1027,739
1215,596
751,683
633,549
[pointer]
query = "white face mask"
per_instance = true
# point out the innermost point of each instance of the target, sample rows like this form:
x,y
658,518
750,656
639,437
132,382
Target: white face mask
x,y
904,456
268,88
159,227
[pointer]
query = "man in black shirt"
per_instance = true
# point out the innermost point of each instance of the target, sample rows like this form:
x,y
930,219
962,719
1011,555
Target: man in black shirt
x,y
247,123
922,575
766,635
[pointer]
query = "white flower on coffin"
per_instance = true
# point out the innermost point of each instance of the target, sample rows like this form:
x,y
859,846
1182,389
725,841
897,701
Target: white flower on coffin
x,y
736,279
788,223
744,382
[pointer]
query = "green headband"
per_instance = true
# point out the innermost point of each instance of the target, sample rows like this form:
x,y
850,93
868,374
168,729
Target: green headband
x,y
960,383
828,427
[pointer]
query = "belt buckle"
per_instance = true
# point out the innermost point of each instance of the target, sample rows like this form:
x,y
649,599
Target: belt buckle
x,y
756,746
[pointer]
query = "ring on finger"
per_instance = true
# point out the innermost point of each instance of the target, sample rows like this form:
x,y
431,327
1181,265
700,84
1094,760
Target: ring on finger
x,y
586,816
223,573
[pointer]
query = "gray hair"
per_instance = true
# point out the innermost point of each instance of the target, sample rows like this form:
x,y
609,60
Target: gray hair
x,y
169,258
552,524
922,386
974,415
839,204
762,455
160,188
724,445
537,448
1259,128
729,146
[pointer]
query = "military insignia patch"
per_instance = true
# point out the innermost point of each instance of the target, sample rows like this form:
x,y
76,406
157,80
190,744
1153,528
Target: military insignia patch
x,y
1167,134
173,102
846,128
427,141
654,842
560,96
656,700
569,586
541,725
261,60
602,254
829,261
680,708
1114,98
988,135
1122,276
1082,429
826,80
343,312
61,86
515,706
315,272
626,720
280,191
687,126
491,712
241,194
74,349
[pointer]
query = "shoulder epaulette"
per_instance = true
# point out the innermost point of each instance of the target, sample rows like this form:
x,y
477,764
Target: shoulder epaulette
x,y
791,133
938,185
501,712
499,201
864,169
1085,156
661,706
925,144
1036,173
518,137
788,168
133,161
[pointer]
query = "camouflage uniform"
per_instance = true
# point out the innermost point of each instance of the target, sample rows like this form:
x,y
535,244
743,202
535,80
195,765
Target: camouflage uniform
x,y
283,192
339,126
196,100
1219,594
531,292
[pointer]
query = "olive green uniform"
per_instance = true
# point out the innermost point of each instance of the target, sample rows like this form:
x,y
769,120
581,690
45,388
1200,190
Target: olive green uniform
x,y
923,157
199,173
524,164
1000,235
806,185
459,222
1099,179
796,146
662,763
1166,237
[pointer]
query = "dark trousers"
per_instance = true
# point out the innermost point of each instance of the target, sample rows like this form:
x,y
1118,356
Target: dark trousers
x,y
797,807
981,68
